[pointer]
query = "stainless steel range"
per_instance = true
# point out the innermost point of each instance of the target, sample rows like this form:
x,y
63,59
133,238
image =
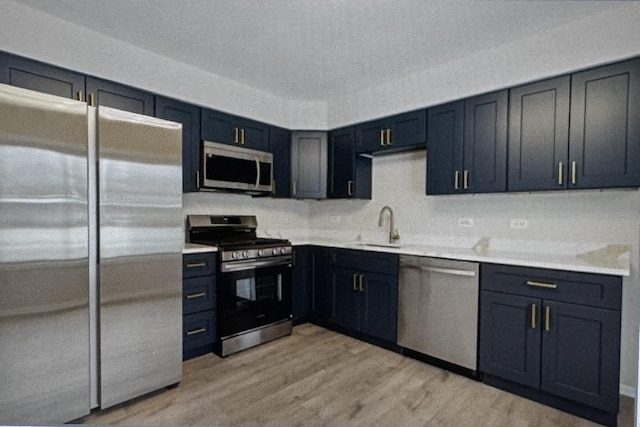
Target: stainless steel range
x,y
253,281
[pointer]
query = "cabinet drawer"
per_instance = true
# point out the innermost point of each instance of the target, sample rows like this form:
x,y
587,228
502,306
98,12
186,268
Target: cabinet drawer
x,y
580,288
198,329
196,265
198,294
374,262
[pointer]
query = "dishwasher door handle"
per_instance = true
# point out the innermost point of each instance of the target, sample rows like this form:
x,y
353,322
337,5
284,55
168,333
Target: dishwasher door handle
x,y
450,271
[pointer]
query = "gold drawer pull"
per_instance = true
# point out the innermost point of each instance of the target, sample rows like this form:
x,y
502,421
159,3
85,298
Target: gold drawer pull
x,y
361,281
466,180
196,264
542,284
198,295
533,316
560,172
456,180
355,282
196,331
350,188
547,318
574,172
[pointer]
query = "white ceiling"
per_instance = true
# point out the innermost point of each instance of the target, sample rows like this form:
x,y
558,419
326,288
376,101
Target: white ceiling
x,y
318,49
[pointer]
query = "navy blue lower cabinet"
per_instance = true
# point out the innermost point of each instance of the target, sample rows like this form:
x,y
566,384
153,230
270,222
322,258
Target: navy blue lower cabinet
x,y
302,286
199,304
581,354
554,337
322,292
510,337
379,314
346,293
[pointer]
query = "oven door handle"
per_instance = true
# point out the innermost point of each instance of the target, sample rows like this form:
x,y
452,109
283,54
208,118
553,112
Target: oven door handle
x,y
231,266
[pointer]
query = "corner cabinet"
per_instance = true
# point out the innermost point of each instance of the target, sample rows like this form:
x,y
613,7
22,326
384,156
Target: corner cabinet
x,y
604,142
45,78
233,130
349,174
365,292
309,165
198,304
400,132
467,145
302,287
189,116
555,333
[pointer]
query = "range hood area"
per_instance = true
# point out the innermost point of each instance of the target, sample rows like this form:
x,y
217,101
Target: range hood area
x,y
91,238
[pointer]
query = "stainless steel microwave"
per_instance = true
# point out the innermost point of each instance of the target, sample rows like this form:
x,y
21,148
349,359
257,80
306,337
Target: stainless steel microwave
x,y
239,169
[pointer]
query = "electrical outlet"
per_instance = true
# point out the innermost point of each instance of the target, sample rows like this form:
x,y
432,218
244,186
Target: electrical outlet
x,y
519,224
465,222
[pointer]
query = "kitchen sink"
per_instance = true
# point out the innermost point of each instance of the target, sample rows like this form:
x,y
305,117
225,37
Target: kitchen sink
x,y
379,245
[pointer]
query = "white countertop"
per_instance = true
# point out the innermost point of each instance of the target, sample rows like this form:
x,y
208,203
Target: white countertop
x,y
194,248
612,259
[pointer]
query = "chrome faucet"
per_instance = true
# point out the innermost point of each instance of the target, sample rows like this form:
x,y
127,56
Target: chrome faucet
x,y
393,233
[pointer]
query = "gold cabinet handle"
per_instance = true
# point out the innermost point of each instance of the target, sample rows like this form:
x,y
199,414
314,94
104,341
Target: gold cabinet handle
x,y
196,264
361,282
574,172
198,295
196,331
235,135
273,187
295,192
388,136
242,136
350,188
355,282
198,180
80,96
547,318
533,316
382,133
456,180
560,177
92,100
542,284
466,179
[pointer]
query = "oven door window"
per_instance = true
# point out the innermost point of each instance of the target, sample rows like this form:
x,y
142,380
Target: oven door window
x,y
252,298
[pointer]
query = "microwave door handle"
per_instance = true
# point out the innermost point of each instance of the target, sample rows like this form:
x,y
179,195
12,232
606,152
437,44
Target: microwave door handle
x,y
257,172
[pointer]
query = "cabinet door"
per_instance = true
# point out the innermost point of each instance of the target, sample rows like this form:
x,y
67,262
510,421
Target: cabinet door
x,y
302,277
322,300
33,75
346,295
485,143
510,337
408,129
309,165
445,133
539,135
114,95
341,163
218,127
371,136
379,306
254,135
189,116
581,347
280,147
605,130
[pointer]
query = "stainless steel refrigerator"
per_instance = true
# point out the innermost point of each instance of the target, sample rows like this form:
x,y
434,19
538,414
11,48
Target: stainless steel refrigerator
x,y
90,257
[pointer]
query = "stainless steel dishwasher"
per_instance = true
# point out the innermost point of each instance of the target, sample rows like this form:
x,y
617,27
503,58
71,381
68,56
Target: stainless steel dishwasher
x,y
438,309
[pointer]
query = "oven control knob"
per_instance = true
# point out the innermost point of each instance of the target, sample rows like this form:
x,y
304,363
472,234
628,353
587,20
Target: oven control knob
x,y
275,251
261,252
245,254
235,255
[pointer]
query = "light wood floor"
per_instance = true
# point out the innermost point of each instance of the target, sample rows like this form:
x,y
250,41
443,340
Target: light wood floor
x,y
318,377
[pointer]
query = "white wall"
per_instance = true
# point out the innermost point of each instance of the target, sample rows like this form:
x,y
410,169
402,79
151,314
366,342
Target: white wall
x,y
609,216
35,34
595,40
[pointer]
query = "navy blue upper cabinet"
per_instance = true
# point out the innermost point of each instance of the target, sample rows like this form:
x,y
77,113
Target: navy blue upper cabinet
x,y
33,75
227,129
467,146
349,175
115,95
445,136
604,147
539,135
396,133
189,116
309,164
280,147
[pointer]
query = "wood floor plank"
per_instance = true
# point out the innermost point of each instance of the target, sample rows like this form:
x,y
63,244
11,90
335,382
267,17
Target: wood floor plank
x,y
316,377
